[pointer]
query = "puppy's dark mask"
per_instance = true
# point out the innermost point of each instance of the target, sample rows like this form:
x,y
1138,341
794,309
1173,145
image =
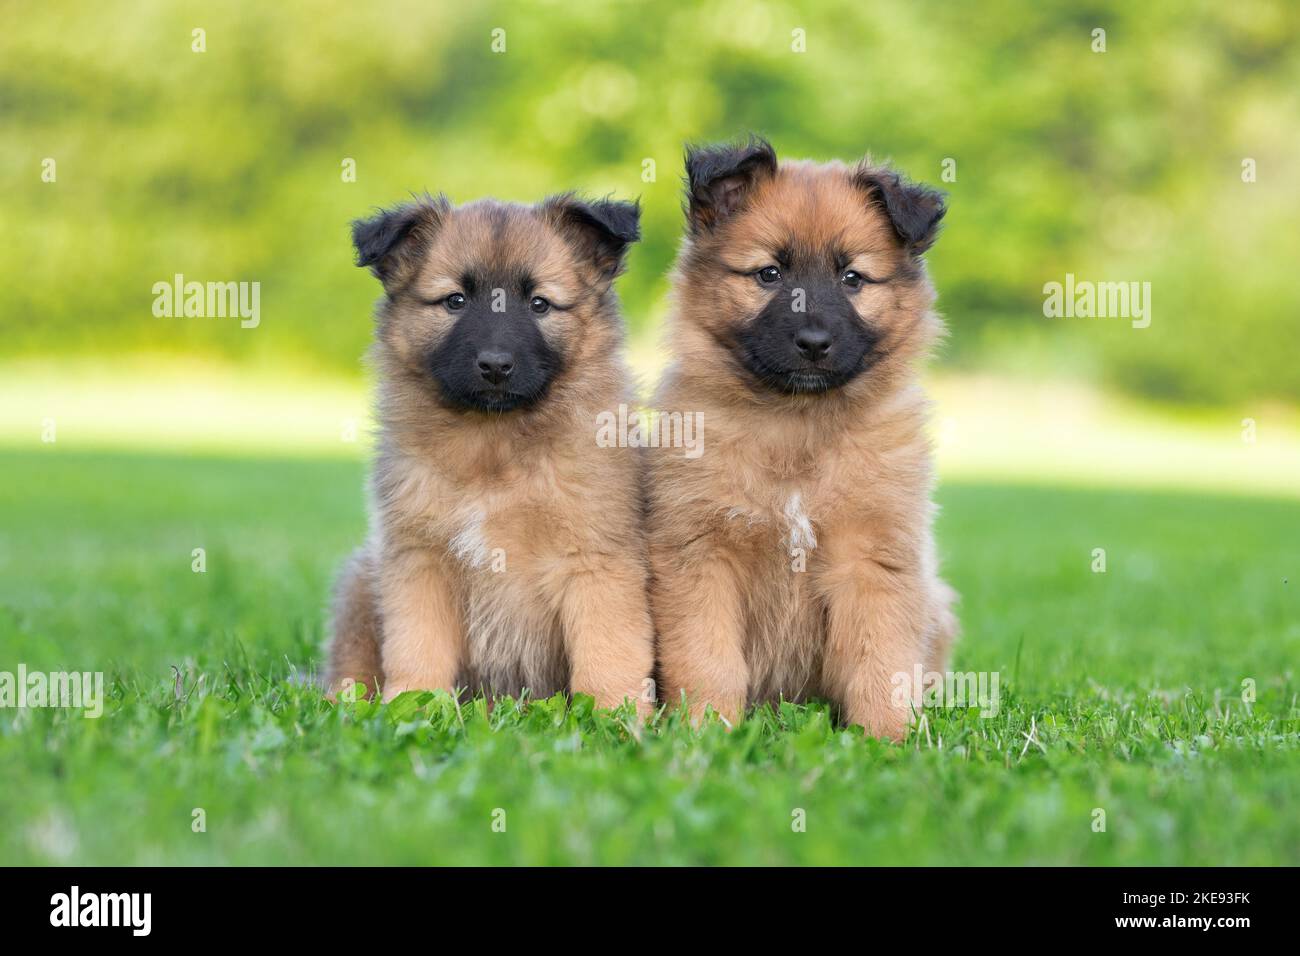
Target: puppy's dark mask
x,y
492,353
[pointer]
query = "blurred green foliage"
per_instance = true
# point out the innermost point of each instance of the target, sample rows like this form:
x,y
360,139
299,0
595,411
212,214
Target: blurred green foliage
x,y
226,164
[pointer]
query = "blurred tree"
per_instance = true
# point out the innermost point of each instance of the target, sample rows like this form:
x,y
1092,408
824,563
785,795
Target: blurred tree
x,y
233,163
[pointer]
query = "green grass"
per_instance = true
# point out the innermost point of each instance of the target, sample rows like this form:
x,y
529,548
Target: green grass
x,y
1122,691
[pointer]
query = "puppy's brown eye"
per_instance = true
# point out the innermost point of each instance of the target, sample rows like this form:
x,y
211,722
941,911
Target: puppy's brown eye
x,y
855,280
455,301
769,275
539,305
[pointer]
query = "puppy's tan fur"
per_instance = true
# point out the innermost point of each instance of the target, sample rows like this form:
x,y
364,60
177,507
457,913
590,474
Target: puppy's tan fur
x,y
506,549
842,478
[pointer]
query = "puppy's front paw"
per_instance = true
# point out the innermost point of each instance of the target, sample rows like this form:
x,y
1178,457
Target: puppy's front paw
x,y
397,685
730,714
886,720
348,690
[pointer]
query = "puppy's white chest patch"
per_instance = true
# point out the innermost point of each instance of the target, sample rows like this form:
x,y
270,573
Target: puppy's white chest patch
x,y
469,545
799,528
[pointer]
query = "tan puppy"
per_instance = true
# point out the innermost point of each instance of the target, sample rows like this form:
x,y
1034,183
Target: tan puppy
x,y
506,550
794,556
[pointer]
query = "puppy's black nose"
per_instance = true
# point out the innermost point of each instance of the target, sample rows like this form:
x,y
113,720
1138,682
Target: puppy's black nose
x,y
812,343
495,366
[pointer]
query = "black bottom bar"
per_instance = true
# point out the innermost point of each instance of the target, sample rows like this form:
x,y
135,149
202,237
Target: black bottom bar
x,y
333,905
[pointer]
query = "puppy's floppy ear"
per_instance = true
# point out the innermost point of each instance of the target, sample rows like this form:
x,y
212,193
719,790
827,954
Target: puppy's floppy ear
x,y
392,241
914,210
720,178
600,230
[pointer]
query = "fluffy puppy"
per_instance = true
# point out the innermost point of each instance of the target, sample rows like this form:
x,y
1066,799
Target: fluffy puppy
x,y
506,549
794,557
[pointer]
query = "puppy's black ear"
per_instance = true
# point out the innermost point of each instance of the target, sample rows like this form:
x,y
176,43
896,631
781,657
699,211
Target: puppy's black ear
x,y
914,210
601,230
720,178
391,243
